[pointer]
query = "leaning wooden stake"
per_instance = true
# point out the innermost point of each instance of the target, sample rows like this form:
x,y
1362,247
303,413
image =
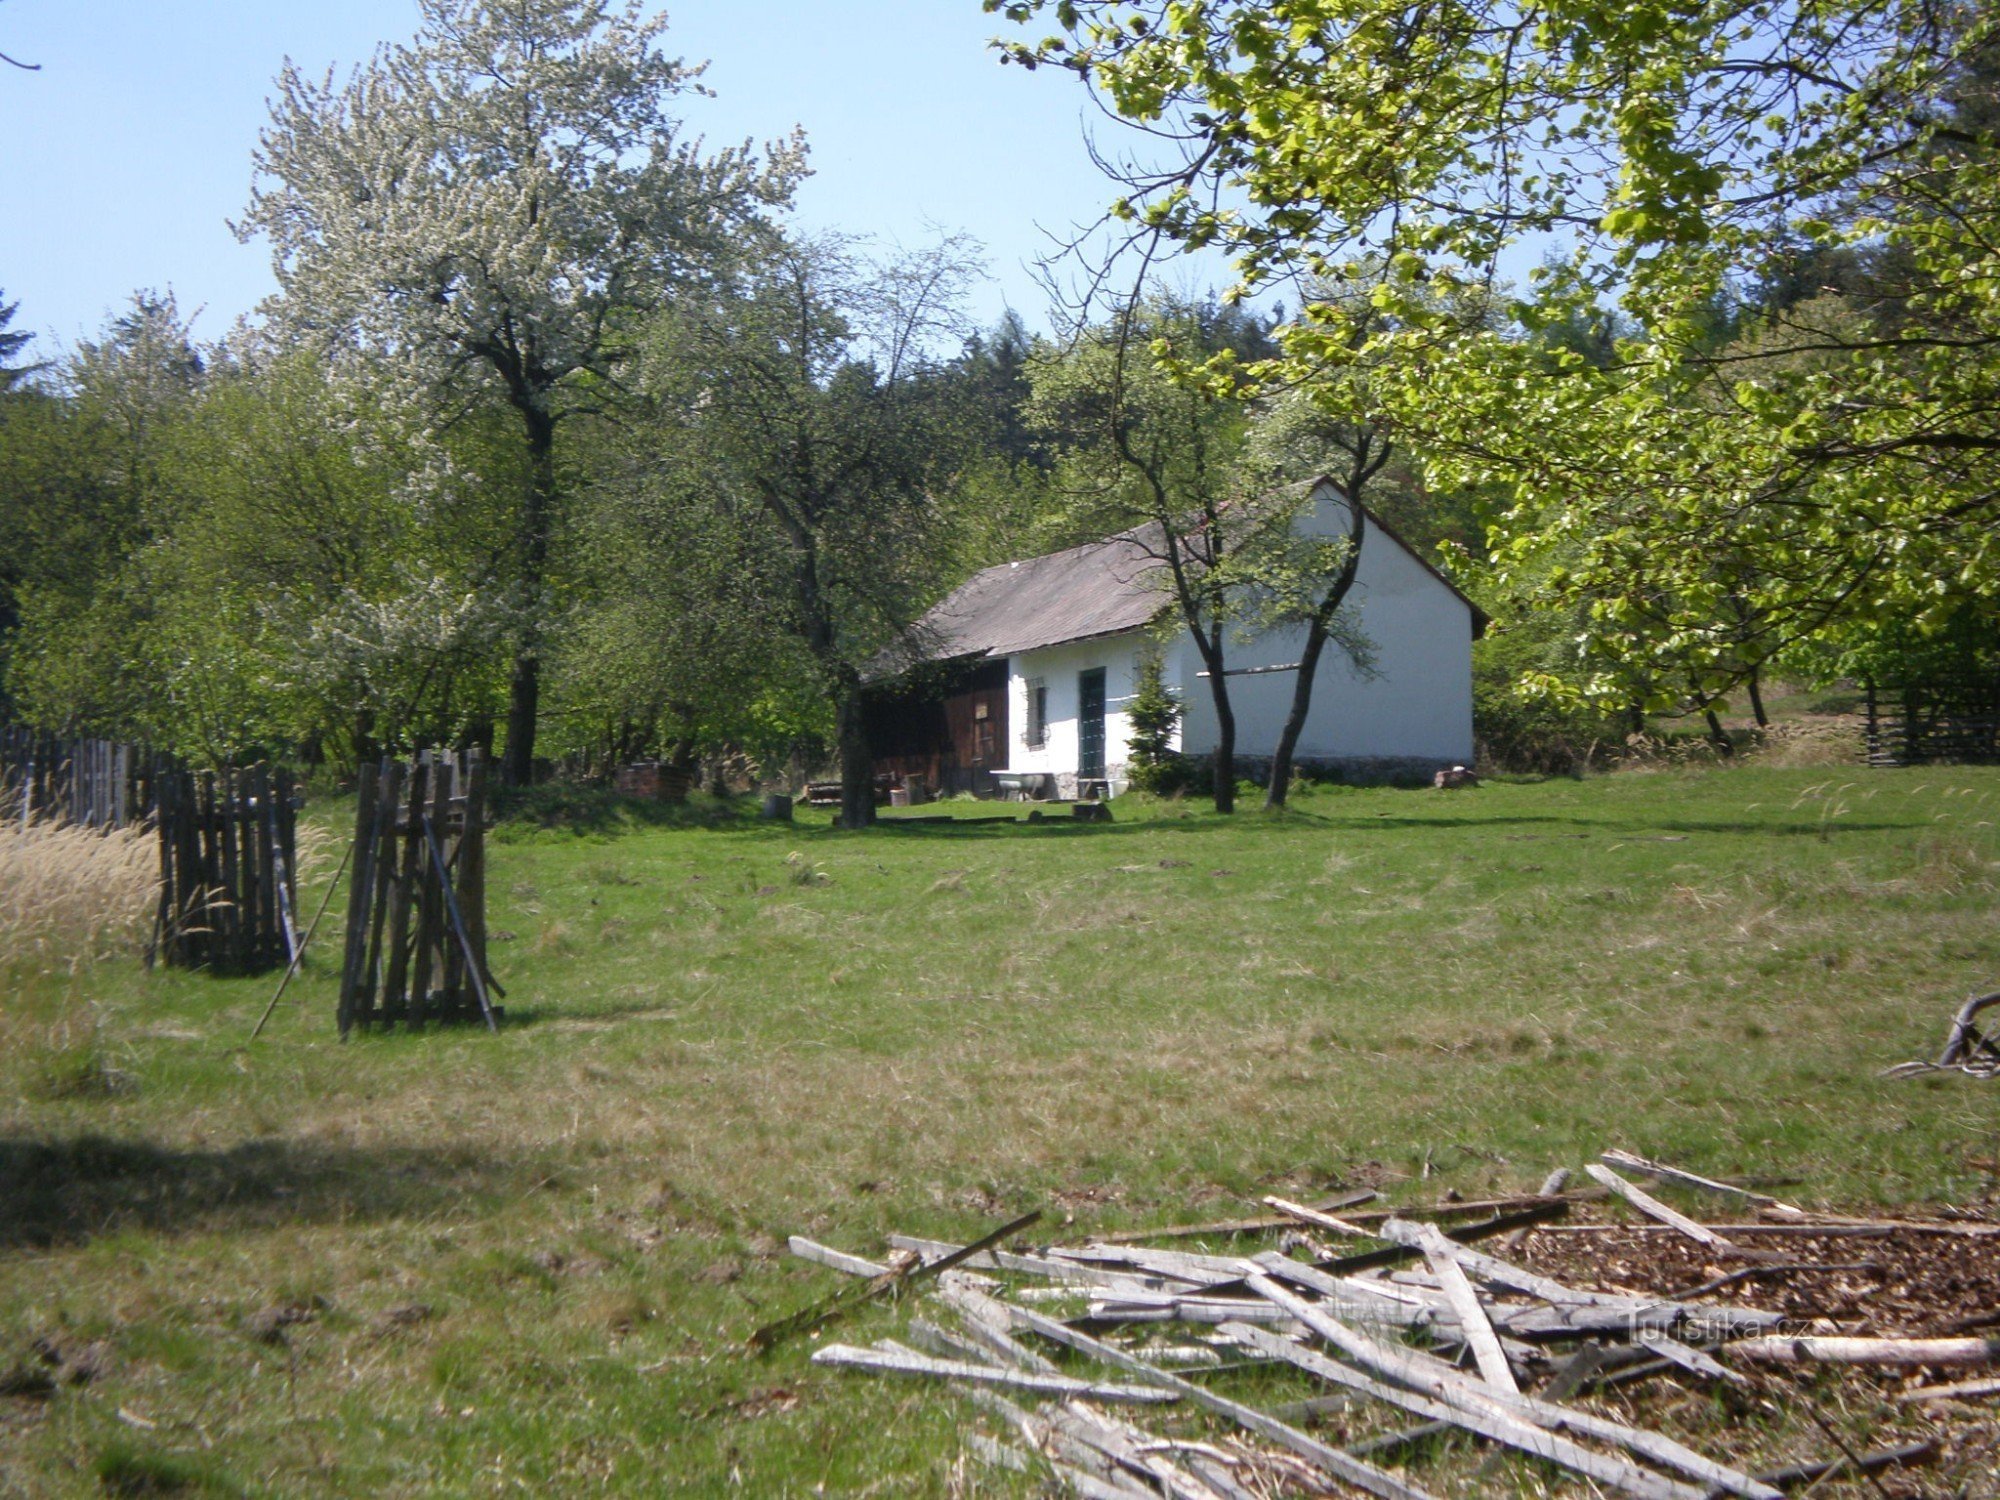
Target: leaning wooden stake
x,y
473,966
299,952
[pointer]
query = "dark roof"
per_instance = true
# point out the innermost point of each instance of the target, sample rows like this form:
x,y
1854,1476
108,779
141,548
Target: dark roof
x,y
1100,588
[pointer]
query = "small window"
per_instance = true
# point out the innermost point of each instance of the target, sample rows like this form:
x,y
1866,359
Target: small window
x,y
1035,733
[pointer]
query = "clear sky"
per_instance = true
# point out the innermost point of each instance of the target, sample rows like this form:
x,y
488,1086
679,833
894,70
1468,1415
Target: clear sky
x,y
122,160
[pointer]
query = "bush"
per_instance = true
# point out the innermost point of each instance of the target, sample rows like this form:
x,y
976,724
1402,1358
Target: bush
x,y
1543,735
1154,714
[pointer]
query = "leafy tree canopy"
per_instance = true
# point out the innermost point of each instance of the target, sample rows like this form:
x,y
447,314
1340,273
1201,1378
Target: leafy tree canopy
x,y
1661,156
484,212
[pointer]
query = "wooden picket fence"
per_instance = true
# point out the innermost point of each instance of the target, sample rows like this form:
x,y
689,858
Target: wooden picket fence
x,y
1923,724
228,868
416,915
89,782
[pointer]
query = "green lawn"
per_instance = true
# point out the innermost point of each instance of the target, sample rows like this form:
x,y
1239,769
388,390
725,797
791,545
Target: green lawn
x,y
529,1261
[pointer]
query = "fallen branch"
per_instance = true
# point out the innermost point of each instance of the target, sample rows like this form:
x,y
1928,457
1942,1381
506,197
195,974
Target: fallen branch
x,y
767,1338
1783,1349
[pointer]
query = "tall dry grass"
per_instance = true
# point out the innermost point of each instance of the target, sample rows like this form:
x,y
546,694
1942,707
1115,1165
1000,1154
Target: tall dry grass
x,y
69,895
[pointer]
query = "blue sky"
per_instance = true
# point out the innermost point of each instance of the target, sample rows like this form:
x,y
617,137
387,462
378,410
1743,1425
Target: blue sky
x,y
129,151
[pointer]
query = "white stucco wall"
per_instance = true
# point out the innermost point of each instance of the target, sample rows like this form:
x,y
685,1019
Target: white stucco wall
x,y
1059,668
1416,705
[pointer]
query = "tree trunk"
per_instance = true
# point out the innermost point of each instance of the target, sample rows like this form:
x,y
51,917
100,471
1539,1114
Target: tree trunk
x,y
1317,630
1717,736
1224,762
1756,691
1295,721
857,766
524,686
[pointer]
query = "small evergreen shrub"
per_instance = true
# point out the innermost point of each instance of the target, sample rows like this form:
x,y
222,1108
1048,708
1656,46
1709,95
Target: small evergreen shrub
x,y
1154,714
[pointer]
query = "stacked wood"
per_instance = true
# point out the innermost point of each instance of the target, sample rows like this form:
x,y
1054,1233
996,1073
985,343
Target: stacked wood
x,y
228,867
416,916
90,782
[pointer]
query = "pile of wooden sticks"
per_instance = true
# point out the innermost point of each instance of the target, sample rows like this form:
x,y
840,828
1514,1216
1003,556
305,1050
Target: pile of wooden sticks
x,y
1378,1309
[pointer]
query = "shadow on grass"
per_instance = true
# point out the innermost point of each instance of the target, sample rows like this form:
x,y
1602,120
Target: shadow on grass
x,y
69,1191
586,811
1594,827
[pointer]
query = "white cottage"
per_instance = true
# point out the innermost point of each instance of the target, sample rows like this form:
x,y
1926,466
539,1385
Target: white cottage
x,y
1033,662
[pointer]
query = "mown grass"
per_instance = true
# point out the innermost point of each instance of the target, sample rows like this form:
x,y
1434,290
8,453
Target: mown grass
x,y
528,1263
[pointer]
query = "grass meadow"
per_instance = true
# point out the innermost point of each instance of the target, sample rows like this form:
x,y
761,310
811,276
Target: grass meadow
x,y
465,1264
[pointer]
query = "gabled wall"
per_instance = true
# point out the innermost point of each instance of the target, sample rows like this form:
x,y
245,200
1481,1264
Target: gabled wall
x,y
1416,707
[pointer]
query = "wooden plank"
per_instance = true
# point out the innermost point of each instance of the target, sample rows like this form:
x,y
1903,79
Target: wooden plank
x,y
374,975
1039,1265
427,927
1316,1218
1432,1377
890,1362
1492,1269
456,931
163,917
260,924
1196,1270
1126,1450
395,984
445,859
987,1323
472,858
929,1338
767,1338
1368,1260
1478,1333
217,904
1357,1472
1787,1349
1653,1208
1493,1425
1630,1162
839,1260
1222,1228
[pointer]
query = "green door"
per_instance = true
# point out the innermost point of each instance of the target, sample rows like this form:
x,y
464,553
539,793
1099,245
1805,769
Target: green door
x,y
1090,724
